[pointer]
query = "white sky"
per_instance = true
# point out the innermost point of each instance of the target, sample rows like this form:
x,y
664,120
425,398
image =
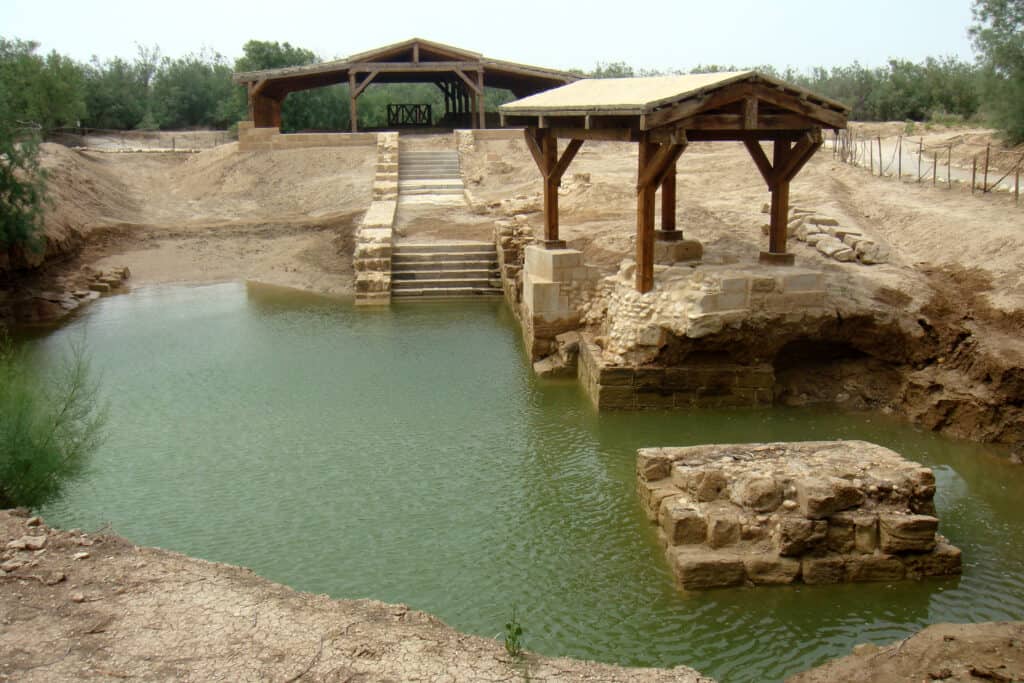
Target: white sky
x,y
660,34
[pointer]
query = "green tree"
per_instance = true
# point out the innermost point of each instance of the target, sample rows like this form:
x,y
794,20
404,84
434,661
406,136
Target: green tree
x,y
117,92
49,428
194,91
998,36
22,182
45,91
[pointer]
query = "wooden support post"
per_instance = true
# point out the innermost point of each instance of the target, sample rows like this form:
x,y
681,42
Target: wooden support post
x,y
549,151
974,173
780,201
543,146
352,110
669,232
483,104
645,217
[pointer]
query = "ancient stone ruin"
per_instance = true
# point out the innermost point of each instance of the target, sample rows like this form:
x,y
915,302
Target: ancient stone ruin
x,y
818,512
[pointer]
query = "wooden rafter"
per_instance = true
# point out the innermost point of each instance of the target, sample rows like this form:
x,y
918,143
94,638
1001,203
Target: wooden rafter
x,y
365,82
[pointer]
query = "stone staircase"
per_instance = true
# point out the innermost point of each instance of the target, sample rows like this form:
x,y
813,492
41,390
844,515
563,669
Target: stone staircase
x,y
432,270
430,175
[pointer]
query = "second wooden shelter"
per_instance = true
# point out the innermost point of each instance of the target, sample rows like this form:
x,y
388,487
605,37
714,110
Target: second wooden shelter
x,y
663,115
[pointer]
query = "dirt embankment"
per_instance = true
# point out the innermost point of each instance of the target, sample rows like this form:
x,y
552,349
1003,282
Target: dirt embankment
x,y
944,652
286,218
96,607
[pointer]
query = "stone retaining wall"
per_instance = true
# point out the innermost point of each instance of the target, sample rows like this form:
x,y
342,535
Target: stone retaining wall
x,y
253,139
817,512
690,385
375,238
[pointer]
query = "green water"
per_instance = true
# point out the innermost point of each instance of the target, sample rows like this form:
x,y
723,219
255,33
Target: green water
x,y
408,455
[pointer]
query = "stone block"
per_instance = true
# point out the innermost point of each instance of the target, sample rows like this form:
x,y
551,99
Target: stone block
x,y
677,251
712,485
758,377
907,533
715,303
616,398
682,523
767,570
763,285
797,536
551,264
822,220
822,570
841,534
701,570
649,378
812,238
944,560
803,282
829,246
870,253
845,255
820,497
652,494
723,530
652,465
761,494
614,376
543,297
874,568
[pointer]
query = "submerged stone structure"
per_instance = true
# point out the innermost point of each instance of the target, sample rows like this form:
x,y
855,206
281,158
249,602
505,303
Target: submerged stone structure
x,y
818,512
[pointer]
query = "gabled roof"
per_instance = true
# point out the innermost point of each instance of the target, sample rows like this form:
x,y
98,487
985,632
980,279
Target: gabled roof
x,y
413,60
652,98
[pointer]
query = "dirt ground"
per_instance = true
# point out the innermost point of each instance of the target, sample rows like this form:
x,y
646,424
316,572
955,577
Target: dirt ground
x,y
991,651
90,607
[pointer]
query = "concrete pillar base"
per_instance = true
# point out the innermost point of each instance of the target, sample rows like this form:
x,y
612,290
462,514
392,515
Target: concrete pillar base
x,y
554,244
771,258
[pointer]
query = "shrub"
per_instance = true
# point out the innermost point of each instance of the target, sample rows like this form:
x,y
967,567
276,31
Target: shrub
x,y
49,427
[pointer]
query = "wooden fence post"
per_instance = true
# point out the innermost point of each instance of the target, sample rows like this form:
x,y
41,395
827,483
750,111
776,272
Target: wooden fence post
x,y
881,170
935,169
984,182
949,166
1016,186
871,156
920,153
899,158
974,172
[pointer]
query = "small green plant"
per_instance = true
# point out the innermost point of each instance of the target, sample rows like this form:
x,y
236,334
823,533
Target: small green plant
x,y
909,127
514,637
49,428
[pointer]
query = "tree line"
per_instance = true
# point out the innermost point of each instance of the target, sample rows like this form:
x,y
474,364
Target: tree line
x,y
153,91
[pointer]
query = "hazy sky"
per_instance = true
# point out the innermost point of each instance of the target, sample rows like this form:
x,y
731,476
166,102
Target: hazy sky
x,y
556,33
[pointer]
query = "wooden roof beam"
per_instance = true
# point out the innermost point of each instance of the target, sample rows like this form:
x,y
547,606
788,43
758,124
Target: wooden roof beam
x,y
414,66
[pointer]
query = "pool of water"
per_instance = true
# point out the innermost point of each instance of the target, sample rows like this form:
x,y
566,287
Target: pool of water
x,y
409,455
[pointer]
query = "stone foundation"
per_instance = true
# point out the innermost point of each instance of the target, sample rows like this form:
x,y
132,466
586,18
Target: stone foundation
x,y
689,385
816,512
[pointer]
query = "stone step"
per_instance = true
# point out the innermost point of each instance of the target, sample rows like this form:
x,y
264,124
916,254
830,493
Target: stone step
x,y
426,174
428,154
430,183
453,191
441,273
449,293
441,262
442,283
403,248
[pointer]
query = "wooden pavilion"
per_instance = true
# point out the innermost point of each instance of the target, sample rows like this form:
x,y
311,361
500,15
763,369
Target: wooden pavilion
x,y
461,76
663,115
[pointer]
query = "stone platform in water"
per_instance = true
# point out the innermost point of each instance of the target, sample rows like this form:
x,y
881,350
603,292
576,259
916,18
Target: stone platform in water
x,y
779,513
